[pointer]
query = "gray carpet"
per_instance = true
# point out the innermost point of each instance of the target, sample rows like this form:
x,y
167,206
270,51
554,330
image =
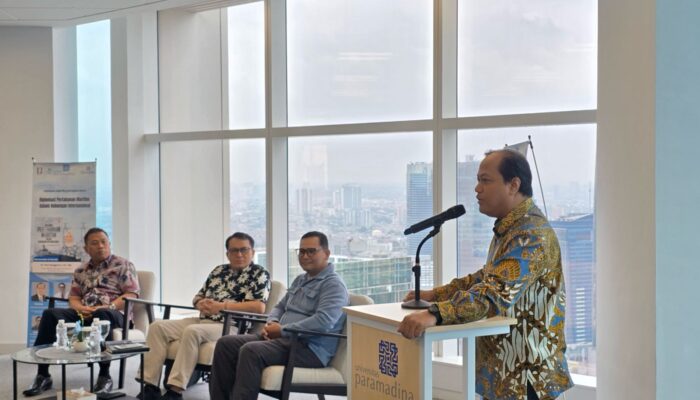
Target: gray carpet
x,y
79,375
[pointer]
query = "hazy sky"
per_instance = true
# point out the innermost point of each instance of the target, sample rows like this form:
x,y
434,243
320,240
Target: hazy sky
x,y
371,60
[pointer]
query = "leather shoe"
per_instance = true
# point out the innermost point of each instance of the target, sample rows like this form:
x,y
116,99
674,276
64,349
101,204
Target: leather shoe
x,y
150,392
103,385
171,395
41,384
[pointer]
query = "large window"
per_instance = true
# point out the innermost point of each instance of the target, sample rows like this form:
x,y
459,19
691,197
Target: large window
x,y
526,56
336,115
94,110
246,66
246,188
362,195
359,60
534,57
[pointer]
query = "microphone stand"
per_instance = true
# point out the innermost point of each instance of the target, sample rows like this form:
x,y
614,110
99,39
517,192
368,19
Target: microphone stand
x,y
417,303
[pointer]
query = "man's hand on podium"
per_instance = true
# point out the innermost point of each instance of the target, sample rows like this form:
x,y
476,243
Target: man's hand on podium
x,y
414,324
427,295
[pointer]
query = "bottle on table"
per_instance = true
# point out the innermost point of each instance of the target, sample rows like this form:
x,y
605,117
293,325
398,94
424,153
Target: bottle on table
x,y
95,338
61,334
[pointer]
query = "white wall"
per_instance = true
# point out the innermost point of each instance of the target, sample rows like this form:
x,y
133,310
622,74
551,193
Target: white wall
x,y
26,131
677,198
192,179
135,178
625,201
65,81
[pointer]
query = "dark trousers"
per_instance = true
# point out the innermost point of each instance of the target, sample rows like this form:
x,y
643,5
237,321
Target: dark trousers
x,y
239,360
531,394
49,320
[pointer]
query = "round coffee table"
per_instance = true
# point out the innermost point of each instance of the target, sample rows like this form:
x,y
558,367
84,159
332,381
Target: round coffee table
x,y
48,354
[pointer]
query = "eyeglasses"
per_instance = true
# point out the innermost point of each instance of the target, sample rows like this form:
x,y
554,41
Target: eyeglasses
x,y
310,251
241,250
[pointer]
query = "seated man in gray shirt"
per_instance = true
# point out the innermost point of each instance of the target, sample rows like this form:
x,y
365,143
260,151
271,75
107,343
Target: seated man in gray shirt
x,y
313,302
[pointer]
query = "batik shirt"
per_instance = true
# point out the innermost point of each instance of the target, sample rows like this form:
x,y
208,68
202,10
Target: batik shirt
x,y
228,284
522,279
100,285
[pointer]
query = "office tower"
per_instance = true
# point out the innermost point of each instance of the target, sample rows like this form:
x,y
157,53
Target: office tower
x,y
577,239
351,195
314,165
304,200
474,228
385,280
419,203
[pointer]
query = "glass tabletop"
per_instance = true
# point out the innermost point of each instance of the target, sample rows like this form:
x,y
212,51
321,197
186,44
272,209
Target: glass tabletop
x,y
48,354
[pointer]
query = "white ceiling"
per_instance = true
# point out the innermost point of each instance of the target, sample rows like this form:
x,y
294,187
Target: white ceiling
x,y
72,12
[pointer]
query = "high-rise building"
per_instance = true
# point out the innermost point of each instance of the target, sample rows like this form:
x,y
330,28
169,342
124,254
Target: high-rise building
x,y
314,165
304,200
419,202
474,228
385,280
577,242
351,196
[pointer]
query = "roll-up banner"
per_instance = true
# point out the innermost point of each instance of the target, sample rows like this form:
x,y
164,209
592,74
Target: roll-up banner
x,y
63,209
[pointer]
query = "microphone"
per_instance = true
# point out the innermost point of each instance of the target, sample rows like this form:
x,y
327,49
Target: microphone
x,y
450,213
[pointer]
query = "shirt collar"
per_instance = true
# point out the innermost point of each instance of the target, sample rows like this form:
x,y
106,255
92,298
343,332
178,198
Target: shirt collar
x,y
321,275
102,264
236,271
504,224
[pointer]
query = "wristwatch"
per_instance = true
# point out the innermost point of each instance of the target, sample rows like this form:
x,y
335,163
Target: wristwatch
x,y
435,310
112,306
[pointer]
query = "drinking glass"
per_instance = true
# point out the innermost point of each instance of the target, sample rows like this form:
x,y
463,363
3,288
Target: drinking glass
x,y
104,329
70,331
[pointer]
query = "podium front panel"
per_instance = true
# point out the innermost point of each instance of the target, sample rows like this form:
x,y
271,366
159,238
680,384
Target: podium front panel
x,y
385,365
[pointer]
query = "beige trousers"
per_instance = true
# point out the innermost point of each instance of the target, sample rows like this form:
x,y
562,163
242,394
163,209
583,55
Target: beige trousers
x,y
191,332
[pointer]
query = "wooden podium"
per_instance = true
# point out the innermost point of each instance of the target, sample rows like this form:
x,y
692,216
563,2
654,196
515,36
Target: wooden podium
x,y
385,365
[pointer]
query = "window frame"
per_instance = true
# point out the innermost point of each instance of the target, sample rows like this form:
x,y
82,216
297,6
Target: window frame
x,y
444,126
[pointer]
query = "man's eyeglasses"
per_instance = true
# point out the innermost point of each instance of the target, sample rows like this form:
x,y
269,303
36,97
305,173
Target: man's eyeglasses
x,y
238,250
310,251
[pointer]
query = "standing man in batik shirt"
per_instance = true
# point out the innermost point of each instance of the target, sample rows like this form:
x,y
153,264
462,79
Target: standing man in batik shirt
x,y
522,279
98,291
240,285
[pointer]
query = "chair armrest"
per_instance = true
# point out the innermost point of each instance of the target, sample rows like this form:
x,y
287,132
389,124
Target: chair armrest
x,y
295,343
128,305
155,303
297,332
243,317
53,300
167,306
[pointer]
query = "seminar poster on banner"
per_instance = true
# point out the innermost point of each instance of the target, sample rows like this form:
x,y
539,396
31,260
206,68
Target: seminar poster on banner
x,y
63,209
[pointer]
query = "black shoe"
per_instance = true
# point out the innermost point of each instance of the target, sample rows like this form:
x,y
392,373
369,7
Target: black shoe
x,y
41,384
150,392
171,395
104,384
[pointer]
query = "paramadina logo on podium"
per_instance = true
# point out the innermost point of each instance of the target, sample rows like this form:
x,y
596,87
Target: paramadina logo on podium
x,y
388,358
388,365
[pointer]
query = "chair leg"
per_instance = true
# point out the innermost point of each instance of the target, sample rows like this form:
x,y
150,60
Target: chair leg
x,y
122,372
168,367
194,378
